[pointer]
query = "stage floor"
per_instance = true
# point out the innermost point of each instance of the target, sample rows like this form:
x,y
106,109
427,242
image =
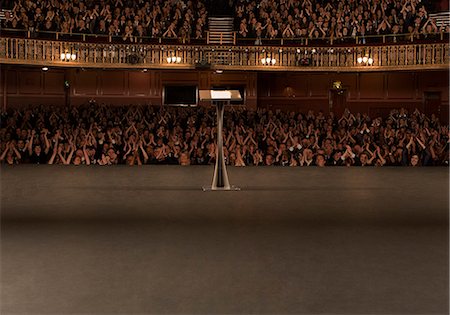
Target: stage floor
x,y
148,240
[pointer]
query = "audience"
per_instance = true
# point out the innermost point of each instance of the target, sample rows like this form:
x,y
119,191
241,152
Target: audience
x,y
315,20
107,135
340,20
129,19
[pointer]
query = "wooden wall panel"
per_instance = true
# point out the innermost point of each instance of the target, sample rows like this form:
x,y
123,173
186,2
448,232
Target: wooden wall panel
x,y
371,86
431,81
319,85
85,82
139,83
401,85
179,76
54,83
373,93
113,83
11,81
30,82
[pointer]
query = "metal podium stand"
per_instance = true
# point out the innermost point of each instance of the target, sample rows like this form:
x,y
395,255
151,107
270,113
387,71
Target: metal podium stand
x,y
220,98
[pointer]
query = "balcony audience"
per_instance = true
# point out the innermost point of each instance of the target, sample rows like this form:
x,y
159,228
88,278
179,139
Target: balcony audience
x,y
337,21
130,20
135,135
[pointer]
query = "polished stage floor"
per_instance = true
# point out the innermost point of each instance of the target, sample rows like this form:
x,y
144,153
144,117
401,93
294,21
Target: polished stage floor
x,y
148,240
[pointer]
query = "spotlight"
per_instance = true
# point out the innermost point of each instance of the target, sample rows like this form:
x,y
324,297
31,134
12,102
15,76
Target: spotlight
x,y
219,71
44,68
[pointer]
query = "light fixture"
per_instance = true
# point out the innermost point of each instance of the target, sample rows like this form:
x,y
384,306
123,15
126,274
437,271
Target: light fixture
x,y
313,50
365,60
173,59
67,56
44,68
268,61
219,71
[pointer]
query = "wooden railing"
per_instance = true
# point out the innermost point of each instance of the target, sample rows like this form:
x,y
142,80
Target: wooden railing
x,y
301,58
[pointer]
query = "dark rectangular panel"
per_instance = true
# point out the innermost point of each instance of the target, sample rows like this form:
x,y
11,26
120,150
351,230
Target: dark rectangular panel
x,y
139,83
401,85
371,85
113,83
54,83
11,82
319,85
85,82
30,82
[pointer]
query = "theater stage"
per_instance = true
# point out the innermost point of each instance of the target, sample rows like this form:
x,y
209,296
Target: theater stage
x,y
147,240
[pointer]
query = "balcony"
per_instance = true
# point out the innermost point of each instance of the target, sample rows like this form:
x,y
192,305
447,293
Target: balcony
x,y
374,57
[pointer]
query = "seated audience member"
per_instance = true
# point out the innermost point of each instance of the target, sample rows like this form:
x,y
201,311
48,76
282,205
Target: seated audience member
x,y
104,135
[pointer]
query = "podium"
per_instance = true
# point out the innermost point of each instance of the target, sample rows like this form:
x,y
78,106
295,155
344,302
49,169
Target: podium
x,y
220,99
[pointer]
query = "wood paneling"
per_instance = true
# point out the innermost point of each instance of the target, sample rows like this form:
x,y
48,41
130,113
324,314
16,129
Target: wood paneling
x,y
401,85
371,86
11,81
113,83
374,92
85,82
319,84
139,83
54,83
30,82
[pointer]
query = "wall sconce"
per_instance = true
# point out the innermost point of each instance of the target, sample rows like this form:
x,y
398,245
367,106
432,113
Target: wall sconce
x,y
174,59
67,56
268,61
365,61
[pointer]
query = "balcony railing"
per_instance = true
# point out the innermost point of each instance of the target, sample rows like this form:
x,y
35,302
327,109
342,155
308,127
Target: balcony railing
x,y
291,58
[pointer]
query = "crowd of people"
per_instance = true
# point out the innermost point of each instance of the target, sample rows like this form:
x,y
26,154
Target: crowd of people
x,y
135,135
130,20
316,20
339,20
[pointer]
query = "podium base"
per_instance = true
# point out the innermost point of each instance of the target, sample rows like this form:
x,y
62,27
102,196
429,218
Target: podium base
x,y
210,188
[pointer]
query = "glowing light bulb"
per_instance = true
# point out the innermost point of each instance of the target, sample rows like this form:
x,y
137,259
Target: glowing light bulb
x,y
365,59
63,56
370,61
359,59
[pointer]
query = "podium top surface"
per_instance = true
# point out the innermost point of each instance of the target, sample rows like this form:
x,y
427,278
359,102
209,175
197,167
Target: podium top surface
x,y
220,95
